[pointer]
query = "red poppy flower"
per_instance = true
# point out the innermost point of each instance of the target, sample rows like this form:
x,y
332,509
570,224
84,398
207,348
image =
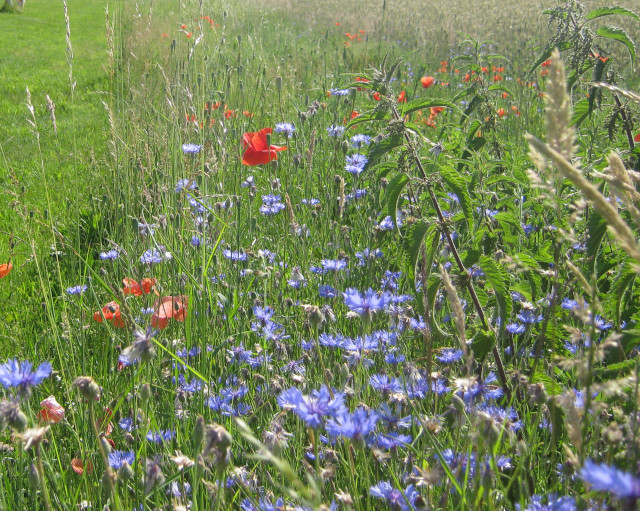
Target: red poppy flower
x,y
637,137
402,98
131,287
256,151
77,465
51,411
427,81
376,96
5,269
501,112
169,307
110,312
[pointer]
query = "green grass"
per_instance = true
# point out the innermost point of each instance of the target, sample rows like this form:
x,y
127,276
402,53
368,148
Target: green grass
x,y
68,165
101,183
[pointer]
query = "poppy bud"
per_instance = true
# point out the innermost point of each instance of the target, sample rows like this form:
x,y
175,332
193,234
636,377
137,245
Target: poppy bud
x,y
274,164
345,146
106,446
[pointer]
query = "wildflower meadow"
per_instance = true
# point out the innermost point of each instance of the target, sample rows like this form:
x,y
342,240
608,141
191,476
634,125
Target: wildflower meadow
x,y
319,255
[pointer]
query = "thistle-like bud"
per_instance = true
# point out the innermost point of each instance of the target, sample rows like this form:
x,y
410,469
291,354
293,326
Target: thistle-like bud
x,y
11,414
125,472
87,387
217,445
145,392
34,479
198,431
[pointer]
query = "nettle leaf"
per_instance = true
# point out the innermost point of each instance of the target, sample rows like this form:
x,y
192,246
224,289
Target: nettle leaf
x,y
508,218
421,103
596,229
457,184
414,236
482,343
608,11
393,191
383,147
499,280
618,34
630,339
375,115
473,104
497,86
546,54
473,128
581,110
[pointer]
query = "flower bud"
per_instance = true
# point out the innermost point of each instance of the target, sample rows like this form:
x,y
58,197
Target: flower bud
x,y
87,387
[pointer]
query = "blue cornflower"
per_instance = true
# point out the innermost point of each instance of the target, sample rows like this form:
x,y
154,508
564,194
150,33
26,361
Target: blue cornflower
x,y
396,499
610,479
186,184
528,317
314,407
516,296
310,202
335,131
111,254
119,458
555,503
386,224
528,229
367,254
365,304
248,183
339,92
195,241
384,384
356,163
235,255
358,140
334,264
326,291
601,323
151,256
394,357
126,423
160,436
449,355
285,127
355,426
569,304
393,440
191,148
516,328
77,290
271,208
19,374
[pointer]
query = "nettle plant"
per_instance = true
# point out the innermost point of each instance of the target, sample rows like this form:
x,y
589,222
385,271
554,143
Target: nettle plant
x,y
581,42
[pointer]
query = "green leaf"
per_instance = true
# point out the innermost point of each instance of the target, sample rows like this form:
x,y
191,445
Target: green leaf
x,y
581,110
499,280
413,239
457,184
546,54
497,86
618,34
375,115
383,147
552,388
608,11
393,191
472,130
421,103
473,104
596,229
482,344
